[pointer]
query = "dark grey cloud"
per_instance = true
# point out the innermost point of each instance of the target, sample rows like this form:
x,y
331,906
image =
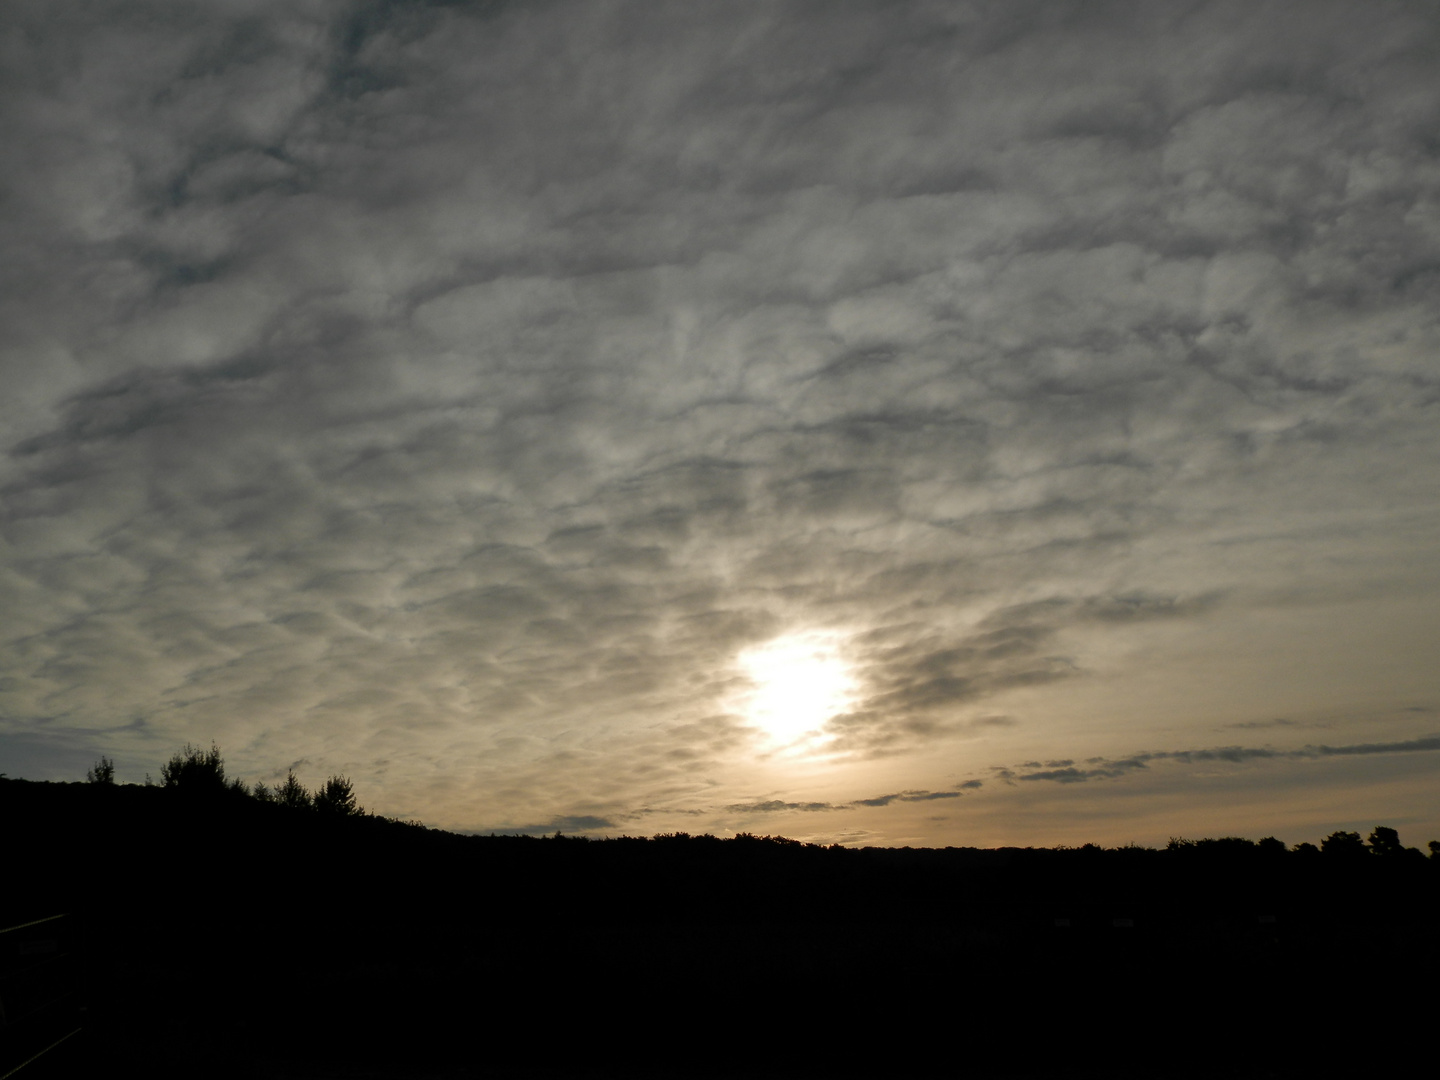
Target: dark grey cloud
x,y
771,806
1068,774
447,394
1408,746
908,796
1099,768
915,689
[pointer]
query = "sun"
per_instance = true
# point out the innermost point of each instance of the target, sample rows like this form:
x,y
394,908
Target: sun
x,y
799,682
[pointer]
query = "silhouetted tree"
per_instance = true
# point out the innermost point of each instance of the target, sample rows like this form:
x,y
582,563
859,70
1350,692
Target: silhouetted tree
x,y
1434,847
337,796
103,772
1271,846
1306,848
1385,841
1226,845
1342,844
195,770
261,793
292,792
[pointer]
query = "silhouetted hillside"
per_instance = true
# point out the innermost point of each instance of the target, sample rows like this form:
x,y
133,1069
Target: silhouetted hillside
x,y
220,935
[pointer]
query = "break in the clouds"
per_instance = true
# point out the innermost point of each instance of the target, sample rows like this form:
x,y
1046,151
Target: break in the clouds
x,y
453,395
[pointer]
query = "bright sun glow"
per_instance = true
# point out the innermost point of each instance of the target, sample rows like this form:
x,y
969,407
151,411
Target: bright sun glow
x,y
800,682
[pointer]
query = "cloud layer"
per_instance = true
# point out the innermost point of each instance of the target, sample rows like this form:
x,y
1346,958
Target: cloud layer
x,y
447,394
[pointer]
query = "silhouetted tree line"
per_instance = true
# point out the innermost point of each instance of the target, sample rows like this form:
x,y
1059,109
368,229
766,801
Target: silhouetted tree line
x,y
439,928
196,771
1382,840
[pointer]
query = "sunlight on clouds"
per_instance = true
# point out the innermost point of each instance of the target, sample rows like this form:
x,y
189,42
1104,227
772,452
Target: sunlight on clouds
x,y
799,681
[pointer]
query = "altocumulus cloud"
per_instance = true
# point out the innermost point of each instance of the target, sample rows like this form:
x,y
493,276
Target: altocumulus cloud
x,y
447,393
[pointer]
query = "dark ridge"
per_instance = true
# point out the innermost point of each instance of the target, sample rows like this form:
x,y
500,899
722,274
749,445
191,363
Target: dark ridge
x,y
211,934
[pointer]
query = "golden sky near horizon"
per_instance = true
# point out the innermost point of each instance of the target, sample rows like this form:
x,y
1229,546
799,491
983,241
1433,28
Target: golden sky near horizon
x,y
872,423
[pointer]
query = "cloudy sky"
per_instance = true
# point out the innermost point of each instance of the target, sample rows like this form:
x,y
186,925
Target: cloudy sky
x,y
892,423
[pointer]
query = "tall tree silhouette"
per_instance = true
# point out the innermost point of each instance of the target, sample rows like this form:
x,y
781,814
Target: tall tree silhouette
x,y
292,792
337,796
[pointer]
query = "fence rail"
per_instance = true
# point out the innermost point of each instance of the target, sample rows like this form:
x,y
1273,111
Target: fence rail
x,y
41,990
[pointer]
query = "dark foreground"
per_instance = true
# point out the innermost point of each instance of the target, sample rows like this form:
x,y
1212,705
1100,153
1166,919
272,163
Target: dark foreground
x,y
223,938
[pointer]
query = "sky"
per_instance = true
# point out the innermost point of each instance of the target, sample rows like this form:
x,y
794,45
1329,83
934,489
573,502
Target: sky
x,y
872,423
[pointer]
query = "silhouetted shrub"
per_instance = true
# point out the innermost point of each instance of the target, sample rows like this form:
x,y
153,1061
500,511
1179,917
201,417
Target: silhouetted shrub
x,y
103,772
193,770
